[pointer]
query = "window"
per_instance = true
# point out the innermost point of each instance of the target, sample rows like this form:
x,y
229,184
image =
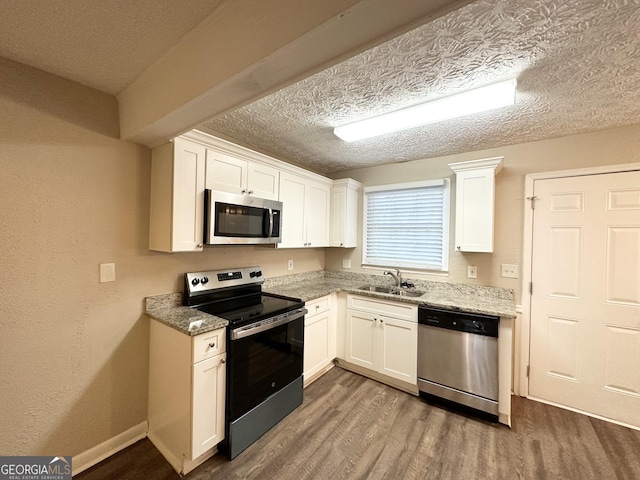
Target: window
x,y
407,225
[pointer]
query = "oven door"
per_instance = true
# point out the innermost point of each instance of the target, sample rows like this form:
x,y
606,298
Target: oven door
x,y
263,358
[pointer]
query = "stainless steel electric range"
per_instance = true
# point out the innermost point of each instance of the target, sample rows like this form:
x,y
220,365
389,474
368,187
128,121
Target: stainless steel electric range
x,y
265,344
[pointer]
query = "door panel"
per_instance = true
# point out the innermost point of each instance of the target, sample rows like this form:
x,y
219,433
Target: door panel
x,y
585,305
565,252
623,249
399,349
362,339
207,404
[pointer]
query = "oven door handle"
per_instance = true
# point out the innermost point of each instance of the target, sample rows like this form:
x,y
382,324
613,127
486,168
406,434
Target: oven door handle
x,y
263,326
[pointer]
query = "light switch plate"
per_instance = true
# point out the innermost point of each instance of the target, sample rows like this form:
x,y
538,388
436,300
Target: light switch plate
x,y
346,263
107,272
289,264
509,271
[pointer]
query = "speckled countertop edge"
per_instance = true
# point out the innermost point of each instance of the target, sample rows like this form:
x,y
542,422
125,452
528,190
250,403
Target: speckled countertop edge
x,y
168,309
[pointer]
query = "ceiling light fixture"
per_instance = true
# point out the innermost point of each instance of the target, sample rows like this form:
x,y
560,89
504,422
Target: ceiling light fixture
x,y
492,96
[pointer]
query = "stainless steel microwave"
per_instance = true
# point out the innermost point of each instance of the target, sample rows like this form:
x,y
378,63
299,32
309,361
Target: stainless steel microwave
x,y
241,219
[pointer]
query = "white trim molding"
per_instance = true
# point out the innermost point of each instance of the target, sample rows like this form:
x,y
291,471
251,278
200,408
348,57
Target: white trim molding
x,y
95,455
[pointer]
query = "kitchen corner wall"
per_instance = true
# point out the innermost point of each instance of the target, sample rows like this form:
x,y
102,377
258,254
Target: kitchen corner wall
x,y
74,352
608,147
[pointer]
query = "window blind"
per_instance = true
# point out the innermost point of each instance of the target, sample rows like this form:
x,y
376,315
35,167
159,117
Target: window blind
x,y
407,225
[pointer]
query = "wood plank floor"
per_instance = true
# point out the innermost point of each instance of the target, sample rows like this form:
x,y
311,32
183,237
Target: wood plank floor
x,y
350,427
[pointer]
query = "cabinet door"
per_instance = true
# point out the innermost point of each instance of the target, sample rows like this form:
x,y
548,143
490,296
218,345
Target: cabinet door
x,y
362,339
225,173
316,343
263,181
344,213
399,349
338,211
188,197
292,196
207,409
317,212
475,201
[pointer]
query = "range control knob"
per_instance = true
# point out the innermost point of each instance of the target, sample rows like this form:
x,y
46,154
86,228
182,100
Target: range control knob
x,y
195,282
478,326
252,274
204,280
259,273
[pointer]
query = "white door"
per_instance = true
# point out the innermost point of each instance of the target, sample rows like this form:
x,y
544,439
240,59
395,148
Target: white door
x,y
585,303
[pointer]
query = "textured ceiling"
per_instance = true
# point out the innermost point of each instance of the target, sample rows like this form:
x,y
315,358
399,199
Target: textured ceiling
x,y
104,44
576,61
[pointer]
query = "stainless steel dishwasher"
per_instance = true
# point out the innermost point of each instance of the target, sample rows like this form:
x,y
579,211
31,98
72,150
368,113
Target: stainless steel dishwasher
x,y
458,357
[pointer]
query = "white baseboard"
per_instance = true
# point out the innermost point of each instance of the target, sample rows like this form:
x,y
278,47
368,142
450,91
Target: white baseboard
x,y
94,455
166,452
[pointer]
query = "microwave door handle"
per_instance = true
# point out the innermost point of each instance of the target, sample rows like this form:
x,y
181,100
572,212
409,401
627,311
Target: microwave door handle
x,y
270,233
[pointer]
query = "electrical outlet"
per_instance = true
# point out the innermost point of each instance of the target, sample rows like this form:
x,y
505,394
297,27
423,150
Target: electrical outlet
x,y
472,271
346,263
107,272
509,271
289,264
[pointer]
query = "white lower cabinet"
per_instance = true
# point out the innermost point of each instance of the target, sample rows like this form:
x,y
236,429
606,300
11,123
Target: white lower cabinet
x,y
319,338
383,337
207,416
187,382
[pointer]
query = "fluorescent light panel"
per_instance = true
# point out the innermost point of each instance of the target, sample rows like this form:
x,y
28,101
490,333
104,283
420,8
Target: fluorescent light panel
x,y
492,96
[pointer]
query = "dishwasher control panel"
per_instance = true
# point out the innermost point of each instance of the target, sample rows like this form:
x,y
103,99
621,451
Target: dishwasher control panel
x,y
461,321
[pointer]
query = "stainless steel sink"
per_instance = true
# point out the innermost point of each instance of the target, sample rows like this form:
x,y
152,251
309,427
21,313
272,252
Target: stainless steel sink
x,y
377,289
401,292
409,293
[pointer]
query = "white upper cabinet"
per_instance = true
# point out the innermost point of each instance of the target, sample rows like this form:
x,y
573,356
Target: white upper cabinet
x,y
228,173
177,197
344,213
182,169
305,211
475,204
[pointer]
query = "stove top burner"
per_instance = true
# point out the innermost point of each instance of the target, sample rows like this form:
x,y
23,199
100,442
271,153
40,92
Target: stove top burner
x,y
267,306
235,295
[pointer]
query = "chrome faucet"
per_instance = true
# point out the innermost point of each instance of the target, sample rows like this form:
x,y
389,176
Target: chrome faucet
x,y
396,276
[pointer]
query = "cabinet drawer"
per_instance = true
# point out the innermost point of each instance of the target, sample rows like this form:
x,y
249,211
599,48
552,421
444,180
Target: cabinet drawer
x,y
398,310
209,344
317,305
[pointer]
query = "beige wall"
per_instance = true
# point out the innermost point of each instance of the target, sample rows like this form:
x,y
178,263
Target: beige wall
x,y
73,354
614,146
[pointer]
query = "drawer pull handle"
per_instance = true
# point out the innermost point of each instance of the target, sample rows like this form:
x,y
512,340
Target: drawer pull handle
x,y
212,345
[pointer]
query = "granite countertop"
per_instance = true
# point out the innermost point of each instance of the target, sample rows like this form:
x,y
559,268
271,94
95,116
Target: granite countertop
x,y
168,309
497,301
454,296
